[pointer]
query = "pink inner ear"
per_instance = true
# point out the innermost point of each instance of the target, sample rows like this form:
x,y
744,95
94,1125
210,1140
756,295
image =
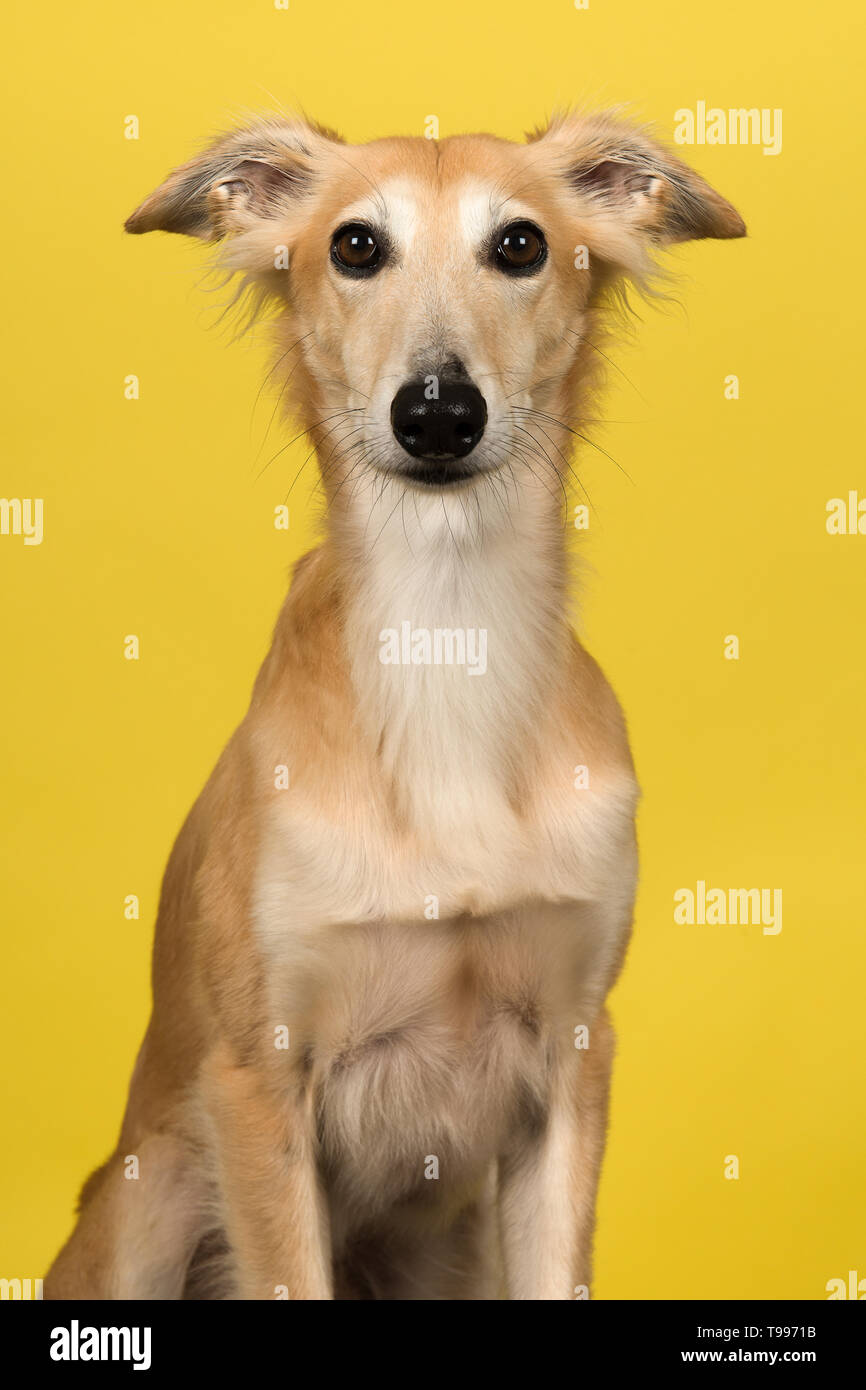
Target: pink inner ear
x,y
615,178
265,178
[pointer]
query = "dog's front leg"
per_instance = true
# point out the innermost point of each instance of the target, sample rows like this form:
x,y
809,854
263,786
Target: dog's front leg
x,y
275,1211
548,1179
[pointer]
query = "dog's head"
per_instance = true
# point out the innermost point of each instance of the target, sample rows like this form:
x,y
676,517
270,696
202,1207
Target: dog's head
x,y
438,297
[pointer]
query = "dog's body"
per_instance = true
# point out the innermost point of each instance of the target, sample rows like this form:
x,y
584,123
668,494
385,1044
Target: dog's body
x,y
378,1062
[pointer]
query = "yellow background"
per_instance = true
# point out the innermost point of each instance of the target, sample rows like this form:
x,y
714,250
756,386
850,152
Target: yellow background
x,y
753,771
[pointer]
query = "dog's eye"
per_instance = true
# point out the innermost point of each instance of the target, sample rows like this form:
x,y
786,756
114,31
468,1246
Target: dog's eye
x,y
520,247
355,248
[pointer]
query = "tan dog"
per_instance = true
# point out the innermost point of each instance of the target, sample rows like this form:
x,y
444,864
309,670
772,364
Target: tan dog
x,y
378,1062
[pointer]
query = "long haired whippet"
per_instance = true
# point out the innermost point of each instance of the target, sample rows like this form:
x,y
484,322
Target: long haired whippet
x,y
378,1061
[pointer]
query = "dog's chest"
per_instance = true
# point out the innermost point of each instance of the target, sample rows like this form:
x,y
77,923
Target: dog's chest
x,y
425,988
429,1043
314,871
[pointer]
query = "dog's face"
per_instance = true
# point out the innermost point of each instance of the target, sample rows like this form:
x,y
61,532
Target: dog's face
x,y
438,281
437,297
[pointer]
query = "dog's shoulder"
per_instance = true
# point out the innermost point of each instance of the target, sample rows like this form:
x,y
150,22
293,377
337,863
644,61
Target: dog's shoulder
x,y
593,716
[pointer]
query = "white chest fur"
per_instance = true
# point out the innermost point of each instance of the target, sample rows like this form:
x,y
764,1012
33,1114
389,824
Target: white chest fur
x,y
431,1041
425,992
428,946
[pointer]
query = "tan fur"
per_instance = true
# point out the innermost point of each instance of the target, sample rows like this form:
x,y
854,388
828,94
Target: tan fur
x,y
412,1037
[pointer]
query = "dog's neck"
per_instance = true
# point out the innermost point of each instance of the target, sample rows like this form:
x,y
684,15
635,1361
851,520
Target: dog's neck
x,y
487,573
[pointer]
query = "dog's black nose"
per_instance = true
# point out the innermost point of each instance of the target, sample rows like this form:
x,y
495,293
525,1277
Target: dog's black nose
x,y
447,424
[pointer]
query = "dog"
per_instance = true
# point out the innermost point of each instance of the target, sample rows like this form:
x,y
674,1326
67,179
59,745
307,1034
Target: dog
x,y
379,1056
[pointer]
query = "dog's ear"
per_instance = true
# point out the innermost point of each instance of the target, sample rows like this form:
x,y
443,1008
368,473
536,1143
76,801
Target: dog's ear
x,y
244,177
623,175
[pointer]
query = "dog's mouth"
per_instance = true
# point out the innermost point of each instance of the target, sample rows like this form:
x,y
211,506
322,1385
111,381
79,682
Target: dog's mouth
x,y
439,472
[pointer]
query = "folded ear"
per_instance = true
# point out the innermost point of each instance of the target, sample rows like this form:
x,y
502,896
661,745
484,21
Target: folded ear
x,y
622,173
245,176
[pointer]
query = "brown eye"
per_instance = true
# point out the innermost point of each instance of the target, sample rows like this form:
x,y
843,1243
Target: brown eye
x,y
355,249
520,247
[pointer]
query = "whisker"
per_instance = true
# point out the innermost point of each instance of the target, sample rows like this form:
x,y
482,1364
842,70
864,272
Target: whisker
x,y
581,339
307,430
577,433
